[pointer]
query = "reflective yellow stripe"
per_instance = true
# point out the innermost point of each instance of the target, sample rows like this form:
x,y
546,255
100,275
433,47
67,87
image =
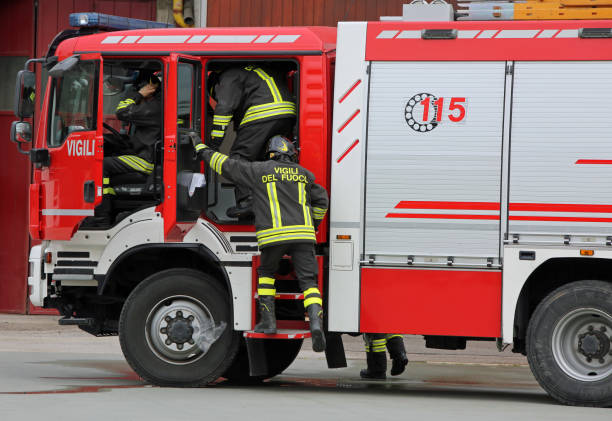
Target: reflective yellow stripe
x,y
306,210
374,349
128,160
266,280
263,291
220,164
271,84
108,190
312,291
393,336
275,239
379,341
213,162
319,213
266,114
274,205
313,300
142,162
286,228
217,133
105,180
200,146
270,106
221,119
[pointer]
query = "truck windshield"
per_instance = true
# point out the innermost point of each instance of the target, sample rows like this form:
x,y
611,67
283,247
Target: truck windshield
x,y
73,100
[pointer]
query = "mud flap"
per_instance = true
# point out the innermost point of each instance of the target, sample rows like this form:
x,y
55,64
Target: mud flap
x,y
258,364
334,352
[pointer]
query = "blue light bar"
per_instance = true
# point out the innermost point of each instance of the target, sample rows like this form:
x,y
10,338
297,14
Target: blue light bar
x,y
114,23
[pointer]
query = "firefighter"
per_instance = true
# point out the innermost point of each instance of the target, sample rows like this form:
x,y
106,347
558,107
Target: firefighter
x,y
257,100
288,208
375,344
143,110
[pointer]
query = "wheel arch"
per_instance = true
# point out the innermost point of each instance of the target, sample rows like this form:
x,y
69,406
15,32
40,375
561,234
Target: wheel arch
x,y
548,276
137,263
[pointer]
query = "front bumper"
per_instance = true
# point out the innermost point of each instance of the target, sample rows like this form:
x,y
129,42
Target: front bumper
x,y
36,281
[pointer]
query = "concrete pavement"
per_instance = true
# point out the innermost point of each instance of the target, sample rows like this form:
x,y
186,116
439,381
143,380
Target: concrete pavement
x,y
48,371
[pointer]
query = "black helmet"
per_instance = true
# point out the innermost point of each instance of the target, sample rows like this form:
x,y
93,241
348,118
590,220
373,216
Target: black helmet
x,y
211,83
279,146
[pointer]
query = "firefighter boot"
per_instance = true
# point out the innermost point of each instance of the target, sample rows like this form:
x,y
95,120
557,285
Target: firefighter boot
x,y
315,315
267,317
395,346
377,366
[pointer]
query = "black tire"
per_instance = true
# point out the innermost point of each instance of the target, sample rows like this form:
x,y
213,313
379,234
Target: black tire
x,y
280,353
149,300
555,336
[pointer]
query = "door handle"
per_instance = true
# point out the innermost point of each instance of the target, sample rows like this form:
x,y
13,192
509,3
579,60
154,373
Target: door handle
x,y
89,191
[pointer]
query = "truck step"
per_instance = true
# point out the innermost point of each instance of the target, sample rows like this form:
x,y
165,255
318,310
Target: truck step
x,y
76,321
280,334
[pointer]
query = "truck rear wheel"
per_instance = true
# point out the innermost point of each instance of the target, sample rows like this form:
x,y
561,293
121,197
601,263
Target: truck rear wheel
x,y
175,329
569,343
280,353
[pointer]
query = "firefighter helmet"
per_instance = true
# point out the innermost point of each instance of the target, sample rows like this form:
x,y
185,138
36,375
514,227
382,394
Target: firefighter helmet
x,y
279,146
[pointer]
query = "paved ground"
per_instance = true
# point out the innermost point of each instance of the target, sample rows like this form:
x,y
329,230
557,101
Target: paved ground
x,y
49,371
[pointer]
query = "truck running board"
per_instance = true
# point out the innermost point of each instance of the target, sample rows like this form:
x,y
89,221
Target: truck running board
x,y
281,334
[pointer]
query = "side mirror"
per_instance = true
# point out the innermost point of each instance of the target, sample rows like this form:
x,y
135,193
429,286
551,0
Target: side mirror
x,y
63,66
25,94
21,132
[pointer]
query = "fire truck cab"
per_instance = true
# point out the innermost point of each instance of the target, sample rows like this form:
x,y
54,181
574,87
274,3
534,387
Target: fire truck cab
x,y
467,166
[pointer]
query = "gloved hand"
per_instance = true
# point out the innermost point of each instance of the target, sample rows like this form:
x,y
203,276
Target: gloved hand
x,y
195,139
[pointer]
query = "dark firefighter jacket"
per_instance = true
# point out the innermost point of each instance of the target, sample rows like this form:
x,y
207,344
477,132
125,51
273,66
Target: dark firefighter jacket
x,y
287,203
146,117
248,95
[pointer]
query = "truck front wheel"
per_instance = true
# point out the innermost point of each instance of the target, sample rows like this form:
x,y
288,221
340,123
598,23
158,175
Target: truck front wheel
x,y
569,343
175,329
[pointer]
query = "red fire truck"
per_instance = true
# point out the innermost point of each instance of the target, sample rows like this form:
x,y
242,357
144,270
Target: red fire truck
x,y
468,165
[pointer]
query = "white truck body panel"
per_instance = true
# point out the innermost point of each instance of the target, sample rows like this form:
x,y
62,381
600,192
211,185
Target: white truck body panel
x,y
453,162
347,168
560,118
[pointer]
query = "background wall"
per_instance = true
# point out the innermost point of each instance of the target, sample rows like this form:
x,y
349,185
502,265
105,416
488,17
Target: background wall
x,y
26,29
298,12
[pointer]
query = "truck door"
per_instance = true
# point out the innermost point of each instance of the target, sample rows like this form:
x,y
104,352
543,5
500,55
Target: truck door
x,y
434,162
183,116
71,183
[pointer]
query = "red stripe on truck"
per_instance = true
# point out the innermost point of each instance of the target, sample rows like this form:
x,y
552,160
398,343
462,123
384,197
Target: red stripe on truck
x,y
350,148
415,204
594,162
439,216
351,89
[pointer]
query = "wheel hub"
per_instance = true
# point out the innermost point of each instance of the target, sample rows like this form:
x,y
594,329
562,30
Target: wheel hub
x,y
179,329
581,344
171,327
594,344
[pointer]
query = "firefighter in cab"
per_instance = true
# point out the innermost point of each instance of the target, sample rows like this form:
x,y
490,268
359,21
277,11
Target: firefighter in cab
x,y
375,345
258,102
142,110
288,207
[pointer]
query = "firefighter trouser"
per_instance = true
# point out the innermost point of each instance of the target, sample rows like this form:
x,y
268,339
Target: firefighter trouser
x,y
381,342
251,141
304,263
123,164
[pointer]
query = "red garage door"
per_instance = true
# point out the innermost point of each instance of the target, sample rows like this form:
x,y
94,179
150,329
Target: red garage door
x,y
20,40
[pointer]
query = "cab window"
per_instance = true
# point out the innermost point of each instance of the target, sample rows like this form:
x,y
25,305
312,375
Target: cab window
x,y
73,102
